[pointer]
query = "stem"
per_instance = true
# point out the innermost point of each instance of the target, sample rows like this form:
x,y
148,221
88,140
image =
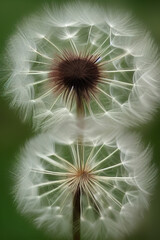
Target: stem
x,y
76,215
76,197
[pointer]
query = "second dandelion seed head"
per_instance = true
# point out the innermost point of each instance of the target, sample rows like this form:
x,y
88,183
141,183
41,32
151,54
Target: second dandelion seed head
x,y
105,189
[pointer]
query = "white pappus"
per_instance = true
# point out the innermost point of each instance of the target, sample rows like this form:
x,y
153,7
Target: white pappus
x,y
118,69
115,185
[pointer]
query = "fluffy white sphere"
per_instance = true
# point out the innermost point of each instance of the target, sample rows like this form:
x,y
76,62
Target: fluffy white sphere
x,y
115,182
126,88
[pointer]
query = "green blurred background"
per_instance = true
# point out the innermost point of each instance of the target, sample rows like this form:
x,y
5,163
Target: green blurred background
x,y
13,133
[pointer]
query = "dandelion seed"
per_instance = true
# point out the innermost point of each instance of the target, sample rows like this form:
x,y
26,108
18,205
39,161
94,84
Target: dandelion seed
x,y
80,58
102,191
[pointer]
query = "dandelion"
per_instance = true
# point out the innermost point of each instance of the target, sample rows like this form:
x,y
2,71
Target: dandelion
x,y
80,55
78,71
91,191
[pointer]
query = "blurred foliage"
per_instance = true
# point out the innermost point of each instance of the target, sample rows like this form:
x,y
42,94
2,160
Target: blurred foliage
x,y
13,133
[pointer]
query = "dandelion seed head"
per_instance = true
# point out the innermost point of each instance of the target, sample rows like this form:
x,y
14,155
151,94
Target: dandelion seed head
x,y
115,183
124,81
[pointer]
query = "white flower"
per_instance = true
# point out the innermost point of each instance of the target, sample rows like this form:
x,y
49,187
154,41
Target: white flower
x,y
115,183
82,54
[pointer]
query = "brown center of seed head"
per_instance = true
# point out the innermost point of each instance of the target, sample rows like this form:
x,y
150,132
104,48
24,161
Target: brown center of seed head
x,y
83,174
75,77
